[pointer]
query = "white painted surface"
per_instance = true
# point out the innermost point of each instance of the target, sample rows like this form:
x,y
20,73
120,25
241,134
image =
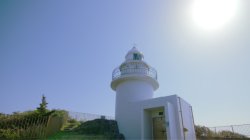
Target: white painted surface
x,y
135,105
187,120
172,127
127,94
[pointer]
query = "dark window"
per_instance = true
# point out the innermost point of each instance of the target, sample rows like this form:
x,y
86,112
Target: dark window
x,y
160,113
137,56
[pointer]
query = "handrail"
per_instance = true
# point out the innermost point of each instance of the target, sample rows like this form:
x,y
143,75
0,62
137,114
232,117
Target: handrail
x,y
118,73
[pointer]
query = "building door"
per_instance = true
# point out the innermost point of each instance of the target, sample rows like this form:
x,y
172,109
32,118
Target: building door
x,y
159,128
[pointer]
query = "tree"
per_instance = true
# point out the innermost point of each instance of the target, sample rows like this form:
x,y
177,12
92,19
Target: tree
x,y
42,109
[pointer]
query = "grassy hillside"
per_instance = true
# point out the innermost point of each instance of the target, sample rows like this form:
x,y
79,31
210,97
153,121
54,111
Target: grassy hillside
x,y
99,129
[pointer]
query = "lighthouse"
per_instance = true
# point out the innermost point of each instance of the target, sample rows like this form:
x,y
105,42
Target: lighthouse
x,y
134,79
138,114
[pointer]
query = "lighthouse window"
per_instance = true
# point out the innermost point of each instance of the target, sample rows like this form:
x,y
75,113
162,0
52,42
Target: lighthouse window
x,y
137,56
160,113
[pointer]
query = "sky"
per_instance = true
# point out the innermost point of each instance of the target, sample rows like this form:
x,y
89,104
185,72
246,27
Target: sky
x,y
67,51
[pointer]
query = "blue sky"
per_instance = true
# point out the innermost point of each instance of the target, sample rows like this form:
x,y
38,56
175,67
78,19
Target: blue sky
x,y
68,49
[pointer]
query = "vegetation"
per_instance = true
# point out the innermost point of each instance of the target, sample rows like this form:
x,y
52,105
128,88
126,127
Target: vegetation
x,y
42,109
204,132
107,128
41,123
71,135
98,129
38,123
18,125
71,124
31,124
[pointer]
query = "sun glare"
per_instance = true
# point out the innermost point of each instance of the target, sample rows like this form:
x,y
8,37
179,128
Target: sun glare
x,y
213,14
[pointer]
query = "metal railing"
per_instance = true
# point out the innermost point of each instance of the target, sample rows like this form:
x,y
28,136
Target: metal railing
x,y
118,73
243,129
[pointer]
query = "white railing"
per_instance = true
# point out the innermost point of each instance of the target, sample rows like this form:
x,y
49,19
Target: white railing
x,y
151,72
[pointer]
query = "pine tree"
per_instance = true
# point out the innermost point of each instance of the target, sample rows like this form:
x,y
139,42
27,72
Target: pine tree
x,y
42,109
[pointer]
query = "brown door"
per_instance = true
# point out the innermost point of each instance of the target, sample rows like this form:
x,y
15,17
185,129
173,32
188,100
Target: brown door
x,y
159,128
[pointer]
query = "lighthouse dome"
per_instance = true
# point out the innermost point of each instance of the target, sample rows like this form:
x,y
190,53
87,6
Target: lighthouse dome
x,y
134,54
134,68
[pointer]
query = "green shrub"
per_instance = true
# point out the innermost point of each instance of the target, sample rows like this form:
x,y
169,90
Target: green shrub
x,y
9,134
31,124
72,121
108,128
205,132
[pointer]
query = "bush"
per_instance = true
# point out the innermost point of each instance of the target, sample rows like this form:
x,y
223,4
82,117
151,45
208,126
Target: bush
x,y
72,121
31,124
108,128
205,132
9,134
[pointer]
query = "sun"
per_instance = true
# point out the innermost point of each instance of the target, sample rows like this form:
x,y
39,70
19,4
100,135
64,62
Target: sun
x,y
213,14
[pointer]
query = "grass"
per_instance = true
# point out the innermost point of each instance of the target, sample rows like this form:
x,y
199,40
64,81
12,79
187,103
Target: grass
x,y
65,135
98,129
70,126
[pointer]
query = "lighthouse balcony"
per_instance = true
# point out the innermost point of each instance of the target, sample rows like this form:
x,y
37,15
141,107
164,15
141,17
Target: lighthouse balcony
x,y
119,73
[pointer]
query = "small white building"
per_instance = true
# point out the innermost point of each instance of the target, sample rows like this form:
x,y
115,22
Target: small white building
x,y
139,115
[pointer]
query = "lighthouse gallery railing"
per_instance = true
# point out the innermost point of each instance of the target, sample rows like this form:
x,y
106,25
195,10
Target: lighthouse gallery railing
x,y
117,73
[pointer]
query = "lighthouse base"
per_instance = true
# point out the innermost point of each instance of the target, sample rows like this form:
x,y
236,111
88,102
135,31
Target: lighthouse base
x,y
168,118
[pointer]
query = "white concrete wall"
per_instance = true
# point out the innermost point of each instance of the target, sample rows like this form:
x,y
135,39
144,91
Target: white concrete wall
x,y
137,119
172,116
146,122
127,113
134,90
188,122
171,122
135,109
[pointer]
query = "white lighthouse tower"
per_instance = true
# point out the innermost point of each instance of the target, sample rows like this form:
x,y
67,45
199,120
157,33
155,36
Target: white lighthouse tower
x,y
138,114
134,80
